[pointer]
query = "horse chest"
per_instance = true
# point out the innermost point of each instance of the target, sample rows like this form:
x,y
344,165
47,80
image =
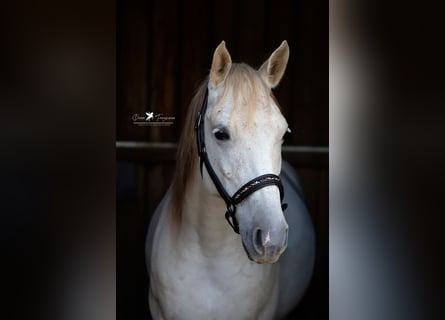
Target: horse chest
x,y
200,290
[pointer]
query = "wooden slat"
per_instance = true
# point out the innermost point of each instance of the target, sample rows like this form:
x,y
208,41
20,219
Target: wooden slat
x,y
132,68
164,67
309,81
153,152
278,28
226,25
196,55
251,33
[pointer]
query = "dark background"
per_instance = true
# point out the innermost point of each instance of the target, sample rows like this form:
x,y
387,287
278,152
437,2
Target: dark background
x,y
164,50
58,158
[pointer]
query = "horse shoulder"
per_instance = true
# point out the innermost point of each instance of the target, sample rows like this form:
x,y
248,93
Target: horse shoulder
x,y
155,262
296,263
156,222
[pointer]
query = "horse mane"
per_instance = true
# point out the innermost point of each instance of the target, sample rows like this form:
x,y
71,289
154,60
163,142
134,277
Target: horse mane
x,y
187,153
242,79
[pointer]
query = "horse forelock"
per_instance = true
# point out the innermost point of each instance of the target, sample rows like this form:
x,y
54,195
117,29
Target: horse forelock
x,y
247,90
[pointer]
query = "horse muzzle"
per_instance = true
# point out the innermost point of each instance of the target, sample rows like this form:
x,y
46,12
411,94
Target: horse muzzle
x,y
265,246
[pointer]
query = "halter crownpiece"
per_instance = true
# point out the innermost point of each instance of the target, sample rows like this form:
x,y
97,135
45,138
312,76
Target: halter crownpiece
x,y
243,192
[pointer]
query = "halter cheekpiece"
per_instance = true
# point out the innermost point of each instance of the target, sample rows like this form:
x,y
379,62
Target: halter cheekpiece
x,y
243,192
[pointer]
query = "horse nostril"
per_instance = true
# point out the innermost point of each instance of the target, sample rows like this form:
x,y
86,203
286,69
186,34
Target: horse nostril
x,y
286,236
258,241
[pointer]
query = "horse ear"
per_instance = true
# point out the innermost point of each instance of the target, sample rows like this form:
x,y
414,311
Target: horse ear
x,y
221,64
273,69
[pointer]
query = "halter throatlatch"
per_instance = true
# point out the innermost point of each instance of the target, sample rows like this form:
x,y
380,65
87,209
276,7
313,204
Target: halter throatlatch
x,y
243,192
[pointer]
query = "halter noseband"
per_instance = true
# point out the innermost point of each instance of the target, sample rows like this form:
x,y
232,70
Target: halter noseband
x,y
243,192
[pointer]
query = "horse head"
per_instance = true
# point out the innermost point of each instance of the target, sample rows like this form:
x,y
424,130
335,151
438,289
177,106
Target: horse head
x,y
244,132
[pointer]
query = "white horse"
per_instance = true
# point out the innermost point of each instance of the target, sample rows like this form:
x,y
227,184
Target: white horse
x,y
199,268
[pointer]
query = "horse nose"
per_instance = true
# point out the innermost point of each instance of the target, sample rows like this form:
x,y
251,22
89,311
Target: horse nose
x,y
269,244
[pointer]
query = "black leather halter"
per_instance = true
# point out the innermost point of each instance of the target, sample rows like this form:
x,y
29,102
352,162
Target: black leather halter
x,y
243,192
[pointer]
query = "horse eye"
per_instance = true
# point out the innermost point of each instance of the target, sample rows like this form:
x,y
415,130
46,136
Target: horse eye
x,y
221,134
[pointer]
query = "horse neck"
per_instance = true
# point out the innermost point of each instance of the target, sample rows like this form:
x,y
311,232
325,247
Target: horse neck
x,y
203,219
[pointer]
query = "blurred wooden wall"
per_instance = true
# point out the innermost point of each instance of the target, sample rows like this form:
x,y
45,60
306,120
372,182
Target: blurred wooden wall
x,y
164,51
